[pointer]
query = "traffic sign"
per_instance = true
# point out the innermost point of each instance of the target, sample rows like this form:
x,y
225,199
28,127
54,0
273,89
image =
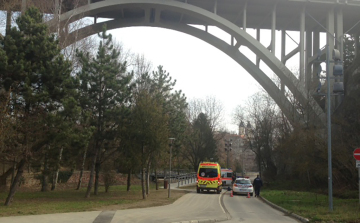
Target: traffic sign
x,y
357,163
357,154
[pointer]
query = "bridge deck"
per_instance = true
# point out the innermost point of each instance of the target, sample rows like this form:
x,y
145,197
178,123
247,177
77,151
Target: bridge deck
x,y
258,12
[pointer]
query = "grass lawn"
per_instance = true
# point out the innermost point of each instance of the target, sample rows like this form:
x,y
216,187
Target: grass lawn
x,y
315,207
32,202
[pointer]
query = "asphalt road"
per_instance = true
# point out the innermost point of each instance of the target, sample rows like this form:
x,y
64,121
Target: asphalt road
x,y
192,207
252,210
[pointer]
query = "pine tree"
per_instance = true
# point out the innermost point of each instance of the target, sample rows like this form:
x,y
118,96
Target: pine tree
x,y
200,141
38,77
105,92
158,87
174,106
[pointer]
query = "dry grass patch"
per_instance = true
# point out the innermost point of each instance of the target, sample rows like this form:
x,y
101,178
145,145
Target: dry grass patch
x,y
30,202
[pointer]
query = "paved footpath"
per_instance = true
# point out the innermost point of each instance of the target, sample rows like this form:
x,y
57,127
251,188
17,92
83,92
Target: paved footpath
x,y
78,217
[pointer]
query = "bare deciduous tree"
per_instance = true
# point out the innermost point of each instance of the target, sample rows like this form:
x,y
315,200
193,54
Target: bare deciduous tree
x,y
210,106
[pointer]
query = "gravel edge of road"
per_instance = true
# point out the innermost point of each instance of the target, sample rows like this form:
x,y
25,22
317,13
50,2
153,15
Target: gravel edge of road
x,y
295,216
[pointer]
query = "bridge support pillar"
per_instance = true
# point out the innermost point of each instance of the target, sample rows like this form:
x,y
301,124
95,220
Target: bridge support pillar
x,y
273,27
8,20
308,76
258,39
302,47
283,51
316,47
244,16
356,37
215,7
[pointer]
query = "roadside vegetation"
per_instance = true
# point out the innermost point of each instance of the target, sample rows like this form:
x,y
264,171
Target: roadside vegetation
x,y
94,108
315,206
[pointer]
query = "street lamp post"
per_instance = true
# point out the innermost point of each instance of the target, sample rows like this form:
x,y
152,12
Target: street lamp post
x,y
338,90
171,141
228,144
329,129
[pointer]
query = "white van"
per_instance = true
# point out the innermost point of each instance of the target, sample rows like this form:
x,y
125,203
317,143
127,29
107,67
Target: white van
x,y
226,175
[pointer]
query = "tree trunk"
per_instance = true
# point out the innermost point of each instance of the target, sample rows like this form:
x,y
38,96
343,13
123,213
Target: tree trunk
x,y
91,178
45,178
55,179
156,180
15,184
4,177
259,162
143,182
143,164
8,20
82,170
14,170
148,177
97,176
128,180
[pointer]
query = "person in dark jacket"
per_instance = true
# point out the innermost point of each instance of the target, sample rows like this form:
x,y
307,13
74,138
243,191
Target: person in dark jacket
x,y
257,185
233,178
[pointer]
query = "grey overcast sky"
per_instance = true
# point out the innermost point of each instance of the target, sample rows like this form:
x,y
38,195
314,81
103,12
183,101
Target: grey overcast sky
x,y
200,69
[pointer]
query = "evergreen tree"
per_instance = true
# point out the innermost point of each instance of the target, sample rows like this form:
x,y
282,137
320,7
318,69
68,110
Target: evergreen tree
x,y
105,91
148,133
200,142
3,59
174,105
39,78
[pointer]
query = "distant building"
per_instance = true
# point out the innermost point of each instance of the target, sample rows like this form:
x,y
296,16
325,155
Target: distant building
x,y
242,129
239,153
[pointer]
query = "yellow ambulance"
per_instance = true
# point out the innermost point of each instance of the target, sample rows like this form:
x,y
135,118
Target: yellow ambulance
x,y
209,177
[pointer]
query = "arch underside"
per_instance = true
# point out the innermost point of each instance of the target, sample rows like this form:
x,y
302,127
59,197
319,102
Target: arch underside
x,y
152,18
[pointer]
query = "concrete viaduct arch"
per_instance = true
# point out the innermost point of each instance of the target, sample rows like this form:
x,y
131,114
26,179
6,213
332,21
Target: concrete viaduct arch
x,y
152,18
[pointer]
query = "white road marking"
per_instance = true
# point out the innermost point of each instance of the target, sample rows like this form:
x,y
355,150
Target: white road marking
x,y
220,203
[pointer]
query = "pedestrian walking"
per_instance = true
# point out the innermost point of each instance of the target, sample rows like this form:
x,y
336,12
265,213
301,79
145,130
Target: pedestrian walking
x,y
257,185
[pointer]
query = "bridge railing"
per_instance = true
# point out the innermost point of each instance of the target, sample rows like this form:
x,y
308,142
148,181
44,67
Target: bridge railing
x,y
186,179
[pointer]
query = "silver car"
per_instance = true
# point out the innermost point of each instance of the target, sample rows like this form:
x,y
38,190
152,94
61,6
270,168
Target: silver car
x,y
243,186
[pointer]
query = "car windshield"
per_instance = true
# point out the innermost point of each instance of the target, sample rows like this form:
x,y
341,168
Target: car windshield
x,y
243,181
208,172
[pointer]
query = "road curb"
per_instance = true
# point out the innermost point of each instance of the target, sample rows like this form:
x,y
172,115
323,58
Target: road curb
x,y
297,217
202,221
